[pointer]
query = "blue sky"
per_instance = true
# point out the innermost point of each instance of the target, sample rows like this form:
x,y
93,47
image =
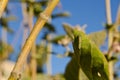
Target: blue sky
x,y
90,12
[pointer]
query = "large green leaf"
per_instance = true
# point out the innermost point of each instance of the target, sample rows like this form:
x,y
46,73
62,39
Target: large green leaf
x,y
88,62
97,37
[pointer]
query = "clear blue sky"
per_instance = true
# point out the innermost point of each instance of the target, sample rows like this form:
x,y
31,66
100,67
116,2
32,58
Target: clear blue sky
x,y
90,12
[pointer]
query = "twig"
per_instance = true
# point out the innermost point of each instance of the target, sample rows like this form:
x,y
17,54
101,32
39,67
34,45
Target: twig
x,y
3,4
49,56
33,62
15,74
110,38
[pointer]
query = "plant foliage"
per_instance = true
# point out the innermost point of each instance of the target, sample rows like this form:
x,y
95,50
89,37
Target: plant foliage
x,y
88,62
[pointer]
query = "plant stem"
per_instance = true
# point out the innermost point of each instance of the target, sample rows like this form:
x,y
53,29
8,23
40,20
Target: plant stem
x,y
48,61
15,75
25,32
24,22
108,12
117,23
110,37
33,62
4,42
3,4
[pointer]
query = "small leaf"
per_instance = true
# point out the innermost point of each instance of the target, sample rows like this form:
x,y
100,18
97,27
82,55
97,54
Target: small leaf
x,y
41,54
11,18
57,39
50,27
3,48
98,37
4,24
63,40
69,30
60,15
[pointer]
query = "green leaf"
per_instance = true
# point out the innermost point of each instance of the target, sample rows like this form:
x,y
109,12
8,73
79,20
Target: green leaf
x,y
69,30
50,27
4,24
60,15
57,39
98,37
88,62
41,55
63,40
37,9
3,48
11,18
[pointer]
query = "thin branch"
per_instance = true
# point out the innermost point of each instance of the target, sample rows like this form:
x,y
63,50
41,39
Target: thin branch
x,y
109,21
25,31
118,16
17,35
110,38
108,12
33,62
48,61
25,22
16,75
3,4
